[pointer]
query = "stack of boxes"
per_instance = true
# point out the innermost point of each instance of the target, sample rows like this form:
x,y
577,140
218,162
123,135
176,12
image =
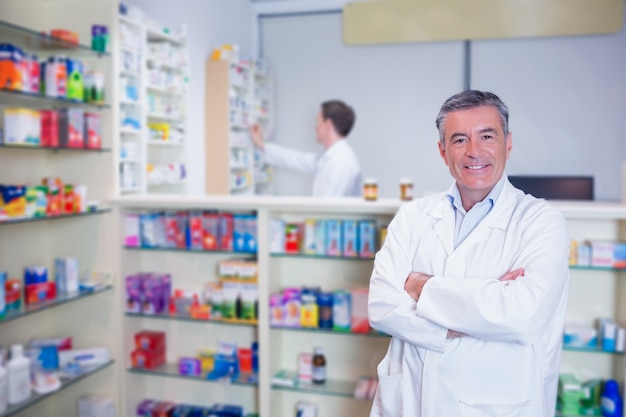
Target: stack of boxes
x,y
340,310
150,352
327,237
148,293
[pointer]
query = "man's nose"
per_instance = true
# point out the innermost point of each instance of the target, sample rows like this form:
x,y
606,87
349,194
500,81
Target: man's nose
x,y
473,147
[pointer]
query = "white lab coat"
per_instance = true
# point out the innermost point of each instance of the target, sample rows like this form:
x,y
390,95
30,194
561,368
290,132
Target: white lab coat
x,y
336,171
508,365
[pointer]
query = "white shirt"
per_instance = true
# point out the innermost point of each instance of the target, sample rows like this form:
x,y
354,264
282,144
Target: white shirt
x,y
466,221
508,364
336,170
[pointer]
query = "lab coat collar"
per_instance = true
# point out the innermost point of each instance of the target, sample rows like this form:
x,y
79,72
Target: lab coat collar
x,y
336,147
444,213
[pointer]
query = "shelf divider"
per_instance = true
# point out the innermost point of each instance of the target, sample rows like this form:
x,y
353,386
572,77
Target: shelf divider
x,y
171,370
65,383
57,217
27,310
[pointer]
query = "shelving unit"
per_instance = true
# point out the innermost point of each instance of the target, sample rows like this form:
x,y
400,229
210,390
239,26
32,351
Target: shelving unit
x,y
155,98
237,95
594,292
165,84
132,130
38,241
185,336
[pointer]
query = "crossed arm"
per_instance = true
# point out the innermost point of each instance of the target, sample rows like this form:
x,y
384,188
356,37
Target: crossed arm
x,y
415,282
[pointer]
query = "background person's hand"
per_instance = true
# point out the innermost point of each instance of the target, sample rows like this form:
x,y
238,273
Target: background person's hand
x,y
256,134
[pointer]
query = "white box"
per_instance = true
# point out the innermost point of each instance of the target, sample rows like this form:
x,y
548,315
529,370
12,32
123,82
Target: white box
x,y
66,275
84,357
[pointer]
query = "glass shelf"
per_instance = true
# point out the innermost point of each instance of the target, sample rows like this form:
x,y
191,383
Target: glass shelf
x,y
171,370
177,317
26,99
58,217
330,331
61,299
227,252
316,256
590,350
58,149
335,388
65,382
596,268
43,45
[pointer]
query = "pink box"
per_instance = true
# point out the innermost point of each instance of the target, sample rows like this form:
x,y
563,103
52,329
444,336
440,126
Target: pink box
x,y
359,322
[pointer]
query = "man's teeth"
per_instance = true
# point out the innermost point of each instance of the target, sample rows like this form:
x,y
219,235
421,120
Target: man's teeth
x,y
476,166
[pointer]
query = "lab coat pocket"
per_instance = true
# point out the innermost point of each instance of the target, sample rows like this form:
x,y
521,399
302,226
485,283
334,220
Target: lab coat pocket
x,y
523,409
389,390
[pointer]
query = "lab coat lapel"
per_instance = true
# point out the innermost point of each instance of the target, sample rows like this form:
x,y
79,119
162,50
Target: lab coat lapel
x,y
443,226
498,218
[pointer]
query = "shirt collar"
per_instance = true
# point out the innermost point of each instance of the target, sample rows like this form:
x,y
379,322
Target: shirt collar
x,y
455,196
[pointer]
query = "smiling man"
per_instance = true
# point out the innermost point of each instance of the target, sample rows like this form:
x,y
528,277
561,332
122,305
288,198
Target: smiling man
x,y
471,284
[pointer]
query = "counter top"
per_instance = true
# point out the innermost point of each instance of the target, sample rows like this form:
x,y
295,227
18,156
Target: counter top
x,y
354,205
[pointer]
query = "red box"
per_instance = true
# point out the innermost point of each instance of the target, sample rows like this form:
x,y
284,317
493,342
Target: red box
x,y
93,131
293,237
245,359
175,229
49,128
147,359
210,231
195,230
72,128
150,340
225,233
163,409
42,291
13,292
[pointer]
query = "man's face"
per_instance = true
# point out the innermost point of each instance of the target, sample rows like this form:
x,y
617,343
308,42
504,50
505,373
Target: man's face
x,y
475,150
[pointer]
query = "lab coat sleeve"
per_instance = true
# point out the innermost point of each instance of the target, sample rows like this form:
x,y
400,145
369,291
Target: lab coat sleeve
x,y
290,158
513,311
390,308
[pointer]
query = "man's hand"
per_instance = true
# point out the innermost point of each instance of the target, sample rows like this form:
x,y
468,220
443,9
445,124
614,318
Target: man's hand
x,y
256,134
512,275
414,284
453,334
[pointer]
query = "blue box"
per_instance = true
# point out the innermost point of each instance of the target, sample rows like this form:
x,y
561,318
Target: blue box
x,y
342,319
333,242
350,238
320,237
367,238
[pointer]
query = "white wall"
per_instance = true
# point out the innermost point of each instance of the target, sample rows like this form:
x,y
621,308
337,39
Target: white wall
x,y
395,91
210,23
567,97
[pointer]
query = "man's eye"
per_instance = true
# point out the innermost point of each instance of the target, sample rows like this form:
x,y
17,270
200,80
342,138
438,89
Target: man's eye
x,y
459,141
487,137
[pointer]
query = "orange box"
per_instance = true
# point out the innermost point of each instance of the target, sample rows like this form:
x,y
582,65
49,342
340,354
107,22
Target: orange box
x,y
65,35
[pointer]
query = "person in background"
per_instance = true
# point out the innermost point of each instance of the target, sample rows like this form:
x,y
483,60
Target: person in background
x,y
336,170
471,284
